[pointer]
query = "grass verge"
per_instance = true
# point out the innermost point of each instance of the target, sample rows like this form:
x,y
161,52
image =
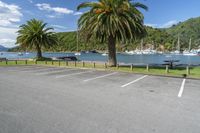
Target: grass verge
x,y
177,72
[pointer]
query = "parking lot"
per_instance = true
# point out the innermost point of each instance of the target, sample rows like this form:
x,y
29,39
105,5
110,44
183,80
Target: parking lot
x,y
39,99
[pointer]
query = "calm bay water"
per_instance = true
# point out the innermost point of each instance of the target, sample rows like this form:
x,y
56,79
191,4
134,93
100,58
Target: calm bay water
x,y
122,58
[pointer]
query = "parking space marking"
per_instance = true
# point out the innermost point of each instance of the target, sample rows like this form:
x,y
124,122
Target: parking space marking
x,y
56,71
100,76
41,70
181,89
134,81
62,76
23,69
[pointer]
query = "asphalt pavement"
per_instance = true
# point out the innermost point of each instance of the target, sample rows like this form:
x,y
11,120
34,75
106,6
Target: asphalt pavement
x,y
39,99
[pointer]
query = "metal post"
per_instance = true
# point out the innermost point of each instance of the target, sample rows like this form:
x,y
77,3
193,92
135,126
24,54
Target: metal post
x,y
52,62
66,63
36,62
94,65
75,63
167,69
46,62
188,70
131,67
59,62
16,62
26,62
6,62
147,67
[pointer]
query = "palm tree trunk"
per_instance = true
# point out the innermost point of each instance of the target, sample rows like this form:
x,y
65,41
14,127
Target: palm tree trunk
x,y
112,52
39,52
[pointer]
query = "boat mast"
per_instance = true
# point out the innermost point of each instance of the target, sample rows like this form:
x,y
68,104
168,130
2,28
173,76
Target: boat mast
x,y
190,43
179,48
141,48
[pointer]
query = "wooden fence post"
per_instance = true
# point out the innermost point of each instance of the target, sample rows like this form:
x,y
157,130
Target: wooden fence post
x,y
188,70
83,64
147,67
117,66
105,65
167,69
131,67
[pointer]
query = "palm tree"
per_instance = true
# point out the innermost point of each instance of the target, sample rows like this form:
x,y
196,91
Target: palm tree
x,y
113,21
35,36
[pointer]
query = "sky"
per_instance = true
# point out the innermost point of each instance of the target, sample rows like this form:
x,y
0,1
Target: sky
x,y
62,14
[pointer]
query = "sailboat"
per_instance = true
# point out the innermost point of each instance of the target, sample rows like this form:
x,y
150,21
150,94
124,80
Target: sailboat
x,y
178,51
190,52
77,43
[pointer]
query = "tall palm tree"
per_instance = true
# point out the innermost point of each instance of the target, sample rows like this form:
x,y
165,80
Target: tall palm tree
x,y
35,35
112,21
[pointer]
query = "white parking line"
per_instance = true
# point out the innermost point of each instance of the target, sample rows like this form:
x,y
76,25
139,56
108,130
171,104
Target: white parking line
x,y
57,71
62,76
24,69
134,81
181,89
100,77
41,70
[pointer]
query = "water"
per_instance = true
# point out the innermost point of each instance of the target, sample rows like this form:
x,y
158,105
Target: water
x,y
122,58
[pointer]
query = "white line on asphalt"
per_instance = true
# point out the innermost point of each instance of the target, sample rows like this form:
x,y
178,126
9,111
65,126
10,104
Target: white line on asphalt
x,y
181,89
52,72
24,69
134,81
100,77
62,76
41,70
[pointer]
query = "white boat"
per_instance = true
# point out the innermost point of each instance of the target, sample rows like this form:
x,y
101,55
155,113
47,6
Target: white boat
x,y
77,54
190,53
148,51
104,54
130,52
175,52
20,54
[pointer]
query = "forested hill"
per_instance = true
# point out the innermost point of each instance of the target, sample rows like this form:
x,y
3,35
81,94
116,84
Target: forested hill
x,y
186,30
161,39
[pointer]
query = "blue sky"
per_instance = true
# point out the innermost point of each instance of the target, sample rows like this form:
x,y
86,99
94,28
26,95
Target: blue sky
x,y
62,14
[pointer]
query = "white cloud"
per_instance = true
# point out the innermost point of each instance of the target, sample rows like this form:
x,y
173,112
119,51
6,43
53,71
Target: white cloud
x,y
165,25
151,25
59,26
52,16
30,1
8,36
78,13
169,24
9,14
49,8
